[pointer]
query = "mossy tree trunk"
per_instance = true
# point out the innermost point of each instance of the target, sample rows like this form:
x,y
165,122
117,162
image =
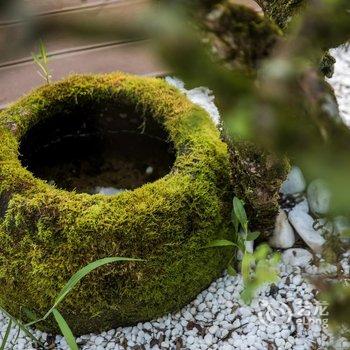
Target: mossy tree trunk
x,y
238,35
281,11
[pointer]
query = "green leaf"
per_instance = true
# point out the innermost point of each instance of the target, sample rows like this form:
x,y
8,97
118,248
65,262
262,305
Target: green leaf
x,y
241,243
252,236
78,276
234,221
43,52
247,261
248,294
221,243
66,331
231,270
262,251
275,259
6,336
240,213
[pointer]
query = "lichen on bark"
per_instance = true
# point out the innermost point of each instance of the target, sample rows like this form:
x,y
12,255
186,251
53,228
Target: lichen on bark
x,y
281,11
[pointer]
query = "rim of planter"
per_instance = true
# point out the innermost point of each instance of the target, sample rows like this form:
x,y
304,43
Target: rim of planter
x,y
190,128
198,182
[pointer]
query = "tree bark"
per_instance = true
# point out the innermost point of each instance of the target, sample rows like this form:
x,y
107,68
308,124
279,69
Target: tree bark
x,y
281,11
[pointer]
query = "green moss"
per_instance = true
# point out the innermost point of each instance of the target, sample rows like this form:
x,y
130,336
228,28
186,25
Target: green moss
x,y
47,234
239,35
257,178
327,65
281,11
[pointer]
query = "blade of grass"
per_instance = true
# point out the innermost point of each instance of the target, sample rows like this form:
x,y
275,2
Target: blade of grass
x,y
231,270
247,260
78,276
38,62
221,243
22,327
66,331
240,213
14,340
252,236
6,336
43,52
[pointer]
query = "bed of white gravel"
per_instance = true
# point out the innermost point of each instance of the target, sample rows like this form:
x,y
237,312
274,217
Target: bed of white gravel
x,y
282,316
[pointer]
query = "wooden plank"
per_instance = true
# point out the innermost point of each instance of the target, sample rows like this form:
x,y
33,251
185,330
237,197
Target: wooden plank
x,y
137,58
49,7
69,55
17,45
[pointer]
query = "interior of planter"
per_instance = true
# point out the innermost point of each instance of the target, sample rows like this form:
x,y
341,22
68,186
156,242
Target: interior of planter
x,y
97,148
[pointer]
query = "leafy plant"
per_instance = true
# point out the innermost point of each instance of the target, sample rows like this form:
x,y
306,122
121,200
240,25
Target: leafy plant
x,y
41,60
257,267
62,324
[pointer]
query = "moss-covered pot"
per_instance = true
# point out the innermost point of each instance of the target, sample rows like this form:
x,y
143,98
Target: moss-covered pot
x,y
48,233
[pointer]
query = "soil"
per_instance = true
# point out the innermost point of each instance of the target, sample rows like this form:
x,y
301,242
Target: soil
x,y
85,148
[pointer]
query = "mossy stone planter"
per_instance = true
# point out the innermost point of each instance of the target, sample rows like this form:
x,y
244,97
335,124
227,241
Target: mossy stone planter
x,y
49,231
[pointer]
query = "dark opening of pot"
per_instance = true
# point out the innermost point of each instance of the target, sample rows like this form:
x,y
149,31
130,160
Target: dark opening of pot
x,y
97,149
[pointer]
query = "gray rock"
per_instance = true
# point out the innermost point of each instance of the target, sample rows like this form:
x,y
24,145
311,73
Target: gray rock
x,y
283,235
107,191
319,196
303,206
295,182
341,225
303,224
297,257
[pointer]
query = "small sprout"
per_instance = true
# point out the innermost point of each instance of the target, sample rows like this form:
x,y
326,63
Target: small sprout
x,y
258,267
41,60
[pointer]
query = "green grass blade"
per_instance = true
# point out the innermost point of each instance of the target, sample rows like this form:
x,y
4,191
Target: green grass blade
x,y
22,327
221,243
235,221
7,333
43,52
231,270
240,213
66,331
247,261
252,236
38,62
14,341
78,276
